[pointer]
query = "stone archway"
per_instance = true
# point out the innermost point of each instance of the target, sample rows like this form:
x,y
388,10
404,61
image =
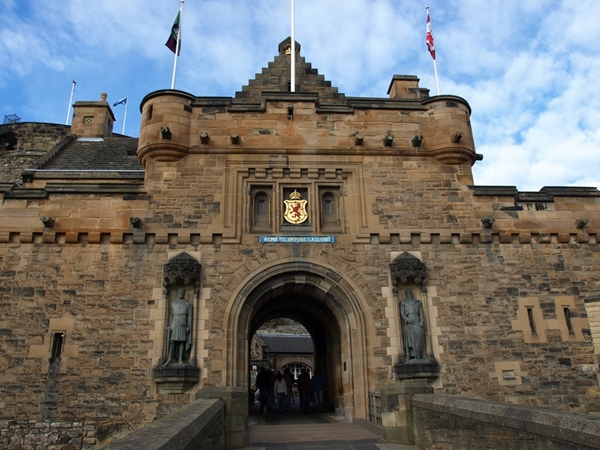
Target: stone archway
x,y
330,307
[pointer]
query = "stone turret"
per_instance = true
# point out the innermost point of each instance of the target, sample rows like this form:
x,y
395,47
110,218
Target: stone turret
x,y
93,119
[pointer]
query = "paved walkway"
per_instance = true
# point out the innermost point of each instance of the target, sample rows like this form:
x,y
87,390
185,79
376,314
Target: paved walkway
x,y
294,430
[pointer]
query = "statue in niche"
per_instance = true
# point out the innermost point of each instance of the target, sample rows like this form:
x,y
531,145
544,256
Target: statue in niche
x,y
180,326
413,329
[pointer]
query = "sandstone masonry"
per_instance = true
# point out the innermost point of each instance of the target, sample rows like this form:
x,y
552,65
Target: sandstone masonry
x,y
507,272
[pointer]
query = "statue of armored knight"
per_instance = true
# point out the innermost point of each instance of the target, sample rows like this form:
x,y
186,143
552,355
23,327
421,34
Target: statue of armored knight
x,y
413,328
180,327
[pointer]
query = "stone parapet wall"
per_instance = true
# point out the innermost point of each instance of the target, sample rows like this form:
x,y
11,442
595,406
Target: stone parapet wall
x,y
458,423
33,141
215,125
198,426
33,136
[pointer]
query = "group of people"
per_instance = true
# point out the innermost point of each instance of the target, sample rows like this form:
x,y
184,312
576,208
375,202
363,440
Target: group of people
x,y
279,386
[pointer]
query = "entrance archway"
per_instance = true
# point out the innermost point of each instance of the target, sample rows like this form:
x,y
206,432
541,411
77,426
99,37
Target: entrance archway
x,y
331,309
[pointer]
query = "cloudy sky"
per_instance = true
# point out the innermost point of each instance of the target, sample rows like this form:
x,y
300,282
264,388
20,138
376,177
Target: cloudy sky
x,y
529,69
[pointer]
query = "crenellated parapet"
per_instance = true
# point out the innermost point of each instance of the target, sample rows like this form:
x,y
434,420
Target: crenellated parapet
x,y
122,235
316,119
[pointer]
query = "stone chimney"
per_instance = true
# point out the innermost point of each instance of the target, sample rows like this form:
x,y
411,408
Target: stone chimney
x,y
405,87
93,119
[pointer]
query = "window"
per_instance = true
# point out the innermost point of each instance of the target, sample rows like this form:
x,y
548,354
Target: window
x,y
57,344
296,369
567,313
330,220
261,210
531,321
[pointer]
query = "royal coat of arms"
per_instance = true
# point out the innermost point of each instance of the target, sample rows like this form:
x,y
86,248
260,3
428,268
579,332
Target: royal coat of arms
x,y
295,209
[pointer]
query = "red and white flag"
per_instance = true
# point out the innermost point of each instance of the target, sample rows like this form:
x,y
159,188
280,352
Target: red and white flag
x,y
429,38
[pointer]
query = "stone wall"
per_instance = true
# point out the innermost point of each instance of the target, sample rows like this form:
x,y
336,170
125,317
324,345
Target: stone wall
x,y
100,281
99,301
107,298
507,272
457,423
33,141
32,434
198,426
592,306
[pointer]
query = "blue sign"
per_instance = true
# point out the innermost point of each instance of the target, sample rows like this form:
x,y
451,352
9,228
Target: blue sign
x,y
297,239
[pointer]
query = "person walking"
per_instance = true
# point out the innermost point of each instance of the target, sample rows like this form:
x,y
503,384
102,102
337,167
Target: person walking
x,y
317,383
304,390
262,383
272,377
289,382
280,391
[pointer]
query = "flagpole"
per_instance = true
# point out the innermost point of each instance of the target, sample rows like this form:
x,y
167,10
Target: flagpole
x,y
177,47
437,83
70,102
293,54
125,115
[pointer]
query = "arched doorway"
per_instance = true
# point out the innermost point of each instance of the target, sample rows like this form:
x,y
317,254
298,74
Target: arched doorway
x,y
330,308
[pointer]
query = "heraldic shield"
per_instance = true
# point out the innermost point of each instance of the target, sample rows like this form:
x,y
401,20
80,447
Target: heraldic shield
x,y
295,209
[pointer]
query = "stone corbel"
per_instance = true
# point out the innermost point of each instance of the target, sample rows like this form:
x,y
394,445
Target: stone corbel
x,y
388,140
136,222
48,221
416,141
456,137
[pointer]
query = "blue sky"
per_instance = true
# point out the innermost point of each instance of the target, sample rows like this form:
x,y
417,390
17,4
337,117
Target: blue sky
x,y
529,69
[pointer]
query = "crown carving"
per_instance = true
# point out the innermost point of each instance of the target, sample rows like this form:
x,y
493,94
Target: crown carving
x,y
295,195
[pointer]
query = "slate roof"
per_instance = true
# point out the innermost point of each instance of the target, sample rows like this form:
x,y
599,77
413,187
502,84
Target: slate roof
x,y
114,153
288,343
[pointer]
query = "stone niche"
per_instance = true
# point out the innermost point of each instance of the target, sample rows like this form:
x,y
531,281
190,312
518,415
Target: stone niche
x,y
177,370
409,280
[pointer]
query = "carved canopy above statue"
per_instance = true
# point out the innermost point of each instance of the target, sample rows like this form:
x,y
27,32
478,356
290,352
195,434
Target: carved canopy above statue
x,y
407,266
184,268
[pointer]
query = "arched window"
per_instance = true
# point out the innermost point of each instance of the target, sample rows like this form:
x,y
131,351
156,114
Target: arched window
x,y
329,212
296,369
261,211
